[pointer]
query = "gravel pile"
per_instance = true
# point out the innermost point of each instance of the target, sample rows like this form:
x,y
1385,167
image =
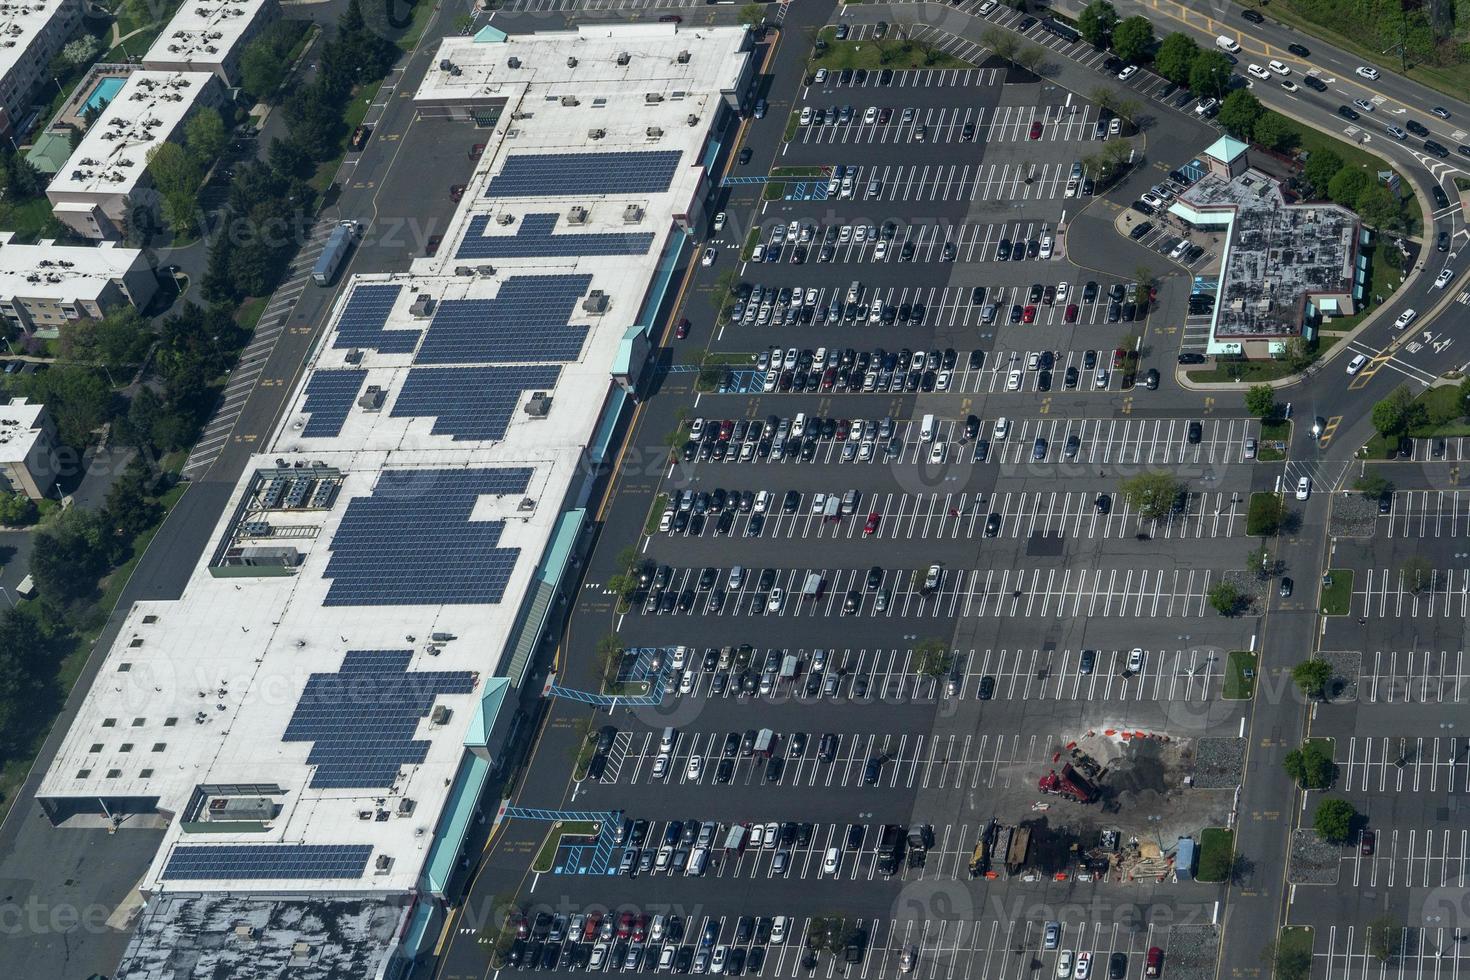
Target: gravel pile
x,y
1251,585
1354,516
1219,763
1192,952
1312,861
1347,667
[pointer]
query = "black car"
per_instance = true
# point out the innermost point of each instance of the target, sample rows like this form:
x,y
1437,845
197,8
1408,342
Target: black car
x,y
1043,381
1118,962
1103,504
1347,112
873,771
972,426
982,450
1254,16
1151,379
1003,250
1191,357
987,687
1313,82
1196,433
745,155
992,525
855,836
1443,241
724,770
875,578
1069,378
1088,663
1141,229
1089,292
1437,149
1385,502
1417,128
976,360
1440,200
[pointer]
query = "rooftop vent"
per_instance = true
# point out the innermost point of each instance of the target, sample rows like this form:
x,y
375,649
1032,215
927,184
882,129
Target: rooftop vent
x,y
577,215
596,134
569,100
596,302
380,866
512,62
405,806
440,715
653,98
632,214
539,405
505,219
683,57
624,58
423,306
353,356
655,132
571,62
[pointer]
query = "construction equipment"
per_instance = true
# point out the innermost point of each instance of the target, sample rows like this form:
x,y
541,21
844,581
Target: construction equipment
x,y
1070,783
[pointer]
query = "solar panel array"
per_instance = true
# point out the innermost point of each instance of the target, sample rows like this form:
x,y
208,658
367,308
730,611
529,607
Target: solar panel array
x,y
363,320
412,543
560,174
212,861
470,403
534,238
329,397
526,321
362,719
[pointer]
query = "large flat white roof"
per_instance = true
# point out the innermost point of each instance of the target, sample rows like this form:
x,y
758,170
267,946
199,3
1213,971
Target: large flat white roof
x,y
112,157
65,273
413,408
22,23
18,429
204,32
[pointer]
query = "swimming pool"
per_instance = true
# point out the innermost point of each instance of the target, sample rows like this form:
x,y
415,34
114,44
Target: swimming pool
x,y
104,92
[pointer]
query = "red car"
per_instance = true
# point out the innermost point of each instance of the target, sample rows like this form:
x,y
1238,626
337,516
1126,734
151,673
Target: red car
x,y
1118,356
1071,315
682,330
1036,129
1154,965
872,526
1029,315
589,930
625,925
476,151
1369,840
843,426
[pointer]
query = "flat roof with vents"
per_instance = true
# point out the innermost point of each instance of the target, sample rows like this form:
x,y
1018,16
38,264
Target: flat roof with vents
x,y
111,158
203,33
22,23
65,273
19,421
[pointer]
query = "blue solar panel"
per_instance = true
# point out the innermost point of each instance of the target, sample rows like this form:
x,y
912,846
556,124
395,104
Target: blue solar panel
x,y
207,861
329,396
552,174
362,719
526,321
470,403
534,238
412,541
363,320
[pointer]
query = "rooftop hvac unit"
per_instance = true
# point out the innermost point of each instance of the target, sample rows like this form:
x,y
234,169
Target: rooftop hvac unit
x,y
423,306
654,132
569,100
211,49
440,715
445,64
512,62
505,219
577,215
539,405
405,807
632,214
246,932
596,303
693,119
526,504
372,399
463,270
683,57
571,62
300,950
624,58
173,47
653,98
596,134
353,356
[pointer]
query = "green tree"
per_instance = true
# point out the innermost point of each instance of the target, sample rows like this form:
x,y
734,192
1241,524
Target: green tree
x,y
1397,413
1209,76
1320,168
1153,496
1312,676
1311,766
816,933
1132,39
1260,401
1003,43
1096,23
263,66
1175,58
315,121
16,509
116,341
1417,572
932,658
23,648
753,14
1347,185
1239,112
1373,485
205,137
130,508
1287,961
1226,598
1030,58
609,657
78,398
1275,131
1379,207
1333,820
1385,939
70,554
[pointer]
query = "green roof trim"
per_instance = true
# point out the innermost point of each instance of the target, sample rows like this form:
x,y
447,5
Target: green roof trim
x,y
490,35
1227,148
623,363
459,810
483,723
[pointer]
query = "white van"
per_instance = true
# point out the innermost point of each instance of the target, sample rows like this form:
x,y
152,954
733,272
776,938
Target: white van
x,y
798,424
1226,44
697,861
666,740
926,429
762,502
737,577
854,291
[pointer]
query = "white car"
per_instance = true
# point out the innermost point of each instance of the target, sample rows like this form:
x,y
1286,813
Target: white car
x,y
1083,969
1100,380
720,221
821,76
1177,252
870,116
1369,73
1443,279
1064,964
757,835
1289,85
695,769
757,254
717,962
778,929
806,115
860,234
1127,72
666,521
773,832
1405,318
937,451
1062,290
941,382
660,766
986,7
1013,381
1356,364
599,954
1258,71
1278,68
1304,488
686,682
880,251
778,596
1151,199
831,861
1135,659
1002,429
1046,247
709,256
